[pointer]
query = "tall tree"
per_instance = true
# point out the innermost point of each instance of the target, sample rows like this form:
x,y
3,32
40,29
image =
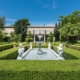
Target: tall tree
x,y
2,21
56,32
20,27
70,25
69,31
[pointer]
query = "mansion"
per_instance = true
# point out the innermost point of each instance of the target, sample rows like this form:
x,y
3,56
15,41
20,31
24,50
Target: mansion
x,y
35,30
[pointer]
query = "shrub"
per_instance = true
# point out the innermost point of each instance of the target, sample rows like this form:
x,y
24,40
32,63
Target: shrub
x,y
36,46
42,45
13,37
73,47
34,43
19,37
4,47
50,37
29,37
56,43
2,35
3,43
11,53
68,53
39,70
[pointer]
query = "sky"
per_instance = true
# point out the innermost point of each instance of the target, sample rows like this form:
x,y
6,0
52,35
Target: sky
x,y
38,12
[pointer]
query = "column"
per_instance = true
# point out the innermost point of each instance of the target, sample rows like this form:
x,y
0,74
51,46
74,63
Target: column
x,y
34,38
44,38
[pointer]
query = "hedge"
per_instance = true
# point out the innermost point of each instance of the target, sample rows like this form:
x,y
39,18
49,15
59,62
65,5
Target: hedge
x,y
8,46
73,47
68,53
2,43
39,70
11,53
4,47
42,46
56,43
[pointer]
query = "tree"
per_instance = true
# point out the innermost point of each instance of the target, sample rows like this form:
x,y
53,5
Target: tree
x,y
56,32
69,31
2,35
20,27
19,36
70,26
50,37
29,37
2,21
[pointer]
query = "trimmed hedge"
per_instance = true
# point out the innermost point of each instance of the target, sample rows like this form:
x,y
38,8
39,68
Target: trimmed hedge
x,y
8,46
4,47
2,43
68,53
39,70
11,53
56,43
73,47
42,46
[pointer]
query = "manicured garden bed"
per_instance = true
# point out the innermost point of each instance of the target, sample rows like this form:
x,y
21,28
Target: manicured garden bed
x,y
2,43
44,45
68,69
11,45
6,46
39,70
69,53
73,47
11,53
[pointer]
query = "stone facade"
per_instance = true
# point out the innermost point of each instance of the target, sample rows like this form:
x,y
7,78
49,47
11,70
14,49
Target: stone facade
x,y
35,30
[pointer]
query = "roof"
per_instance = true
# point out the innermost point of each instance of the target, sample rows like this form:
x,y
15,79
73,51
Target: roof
x,y
32,27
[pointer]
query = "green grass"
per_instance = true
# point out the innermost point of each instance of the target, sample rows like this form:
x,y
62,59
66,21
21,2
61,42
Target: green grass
x,y
6,46
2,43
69,53
73,52
39,70
49,65
11,53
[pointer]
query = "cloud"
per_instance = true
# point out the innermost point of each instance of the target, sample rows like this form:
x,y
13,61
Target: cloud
x,y
13,20
51,5
54,5
10,21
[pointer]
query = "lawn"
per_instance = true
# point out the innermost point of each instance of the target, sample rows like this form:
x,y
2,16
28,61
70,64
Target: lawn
x,y
39,70
68,69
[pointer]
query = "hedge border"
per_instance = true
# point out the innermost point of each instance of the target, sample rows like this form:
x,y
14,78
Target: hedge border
x,y
11,53
7,46
39,70
69,54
